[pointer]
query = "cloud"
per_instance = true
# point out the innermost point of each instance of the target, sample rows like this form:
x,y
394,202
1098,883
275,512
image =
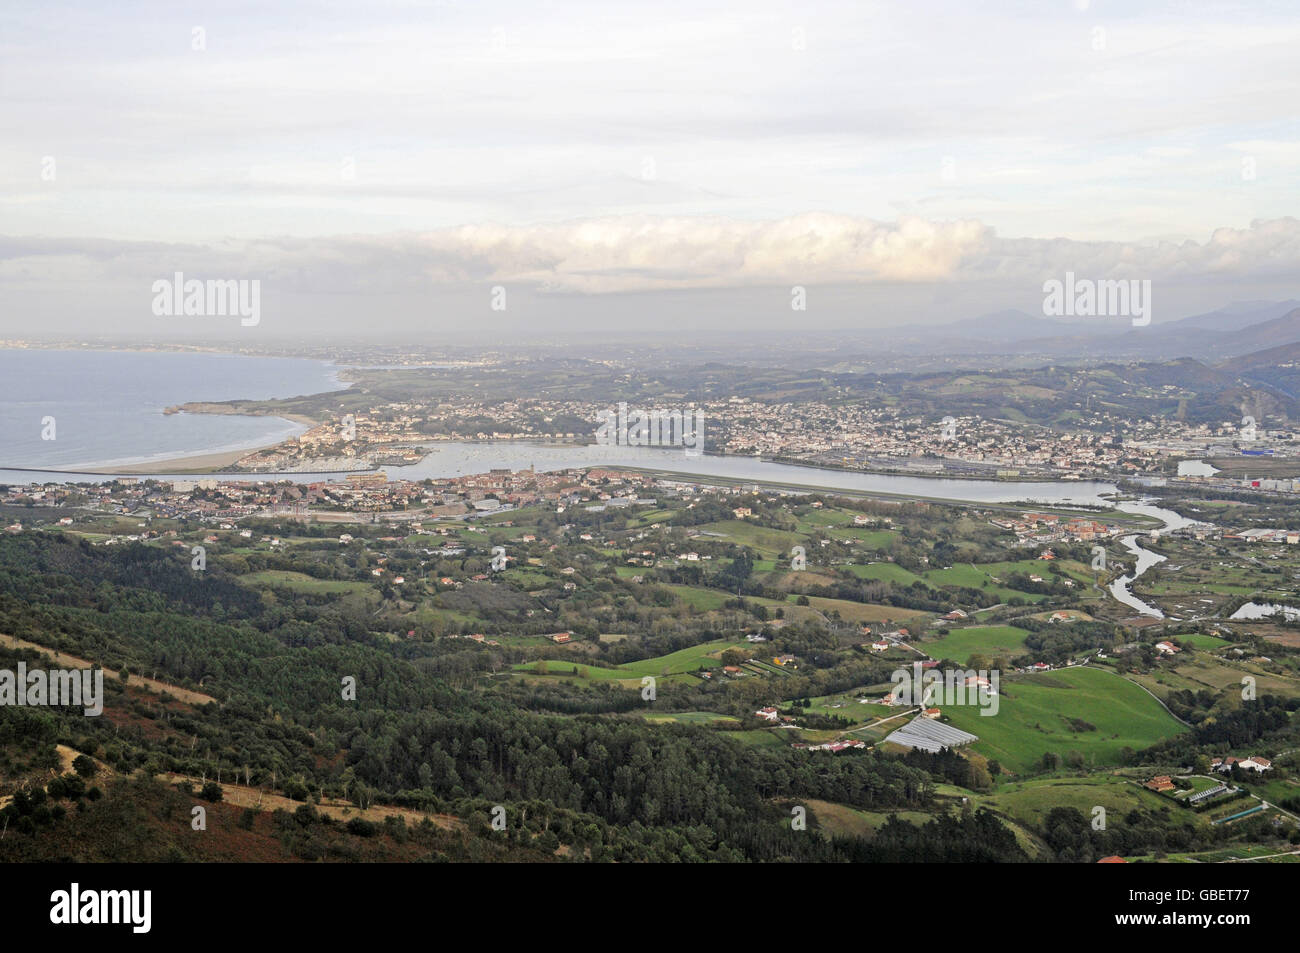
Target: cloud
x,y
649,253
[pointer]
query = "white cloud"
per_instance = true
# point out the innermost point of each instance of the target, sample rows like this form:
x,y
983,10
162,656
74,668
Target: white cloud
x,y
647,253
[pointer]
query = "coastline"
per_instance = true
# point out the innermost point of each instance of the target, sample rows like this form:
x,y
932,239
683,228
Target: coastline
x,y
110,459
194,463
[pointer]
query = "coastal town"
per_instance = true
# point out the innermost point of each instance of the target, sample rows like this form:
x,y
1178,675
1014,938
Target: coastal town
x,y
1151,453
374,497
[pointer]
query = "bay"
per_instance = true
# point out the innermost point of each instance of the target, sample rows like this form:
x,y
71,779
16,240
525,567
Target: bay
x,y
106,407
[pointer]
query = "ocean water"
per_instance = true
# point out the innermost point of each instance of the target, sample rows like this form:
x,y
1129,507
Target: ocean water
x,y
107,406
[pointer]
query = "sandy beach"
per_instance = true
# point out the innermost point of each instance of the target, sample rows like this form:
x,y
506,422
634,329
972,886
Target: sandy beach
x,y
200,462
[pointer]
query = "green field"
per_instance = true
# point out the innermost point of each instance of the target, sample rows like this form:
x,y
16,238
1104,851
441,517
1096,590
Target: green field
x,y
1203,671
862,612
763,737
846,705
528,579
1035,715
678,663
876,539
1206,643
685,660
884,572
271,578
773,542
1030,801
988,576
992,640
688,718
705,600
842,820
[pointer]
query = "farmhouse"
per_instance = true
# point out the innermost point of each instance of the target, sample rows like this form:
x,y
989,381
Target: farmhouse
x,y
835,747
1167,648
1253,763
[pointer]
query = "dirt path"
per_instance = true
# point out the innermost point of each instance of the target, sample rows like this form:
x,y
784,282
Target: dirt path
x,y
242,796
66,757
881,721
136,681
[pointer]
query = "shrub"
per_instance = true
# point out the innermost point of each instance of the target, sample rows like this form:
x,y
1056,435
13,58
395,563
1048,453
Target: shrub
x,y
361,827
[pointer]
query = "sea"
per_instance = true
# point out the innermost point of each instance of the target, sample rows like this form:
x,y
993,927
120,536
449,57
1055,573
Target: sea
x,y
96,409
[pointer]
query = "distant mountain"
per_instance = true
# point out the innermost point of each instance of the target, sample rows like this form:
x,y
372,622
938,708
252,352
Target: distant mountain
x,y
1015,338
1267,334
1000,332
1236,316
1276,368
1235,329
1271,357
1010,324
1063,395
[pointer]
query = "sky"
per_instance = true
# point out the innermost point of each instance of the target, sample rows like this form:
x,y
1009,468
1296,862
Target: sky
x,y
381,167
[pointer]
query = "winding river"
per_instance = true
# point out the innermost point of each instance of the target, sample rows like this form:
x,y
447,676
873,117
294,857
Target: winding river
x,y
1120,588
452,459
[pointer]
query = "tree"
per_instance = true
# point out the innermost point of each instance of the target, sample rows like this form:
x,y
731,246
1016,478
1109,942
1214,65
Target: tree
x,y
361,827
84,766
